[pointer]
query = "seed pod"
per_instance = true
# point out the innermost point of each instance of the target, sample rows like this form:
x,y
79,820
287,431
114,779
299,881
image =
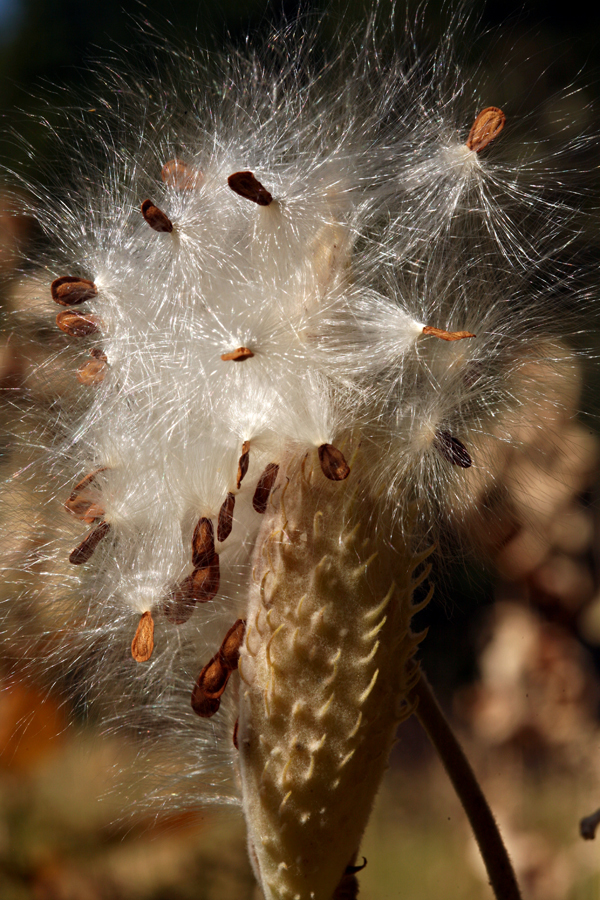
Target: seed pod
x,y
84,551
92,372
225,521
205,582
452,449
229,651
243,463
250,188
486,127
70,290
447,335
333,464
142,644
203,544
177,174
264,487
77,324
155,217
238,355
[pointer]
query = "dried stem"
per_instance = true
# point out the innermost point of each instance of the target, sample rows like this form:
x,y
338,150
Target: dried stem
x,y
494,853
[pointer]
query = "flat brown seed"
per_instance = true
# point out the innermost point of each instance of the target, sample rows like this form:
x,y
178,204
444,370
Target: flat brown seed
x,y
84,551
229,652
333,464
447,335
250,188
486,127
225,521
85,508
204,706
203,543
177,174
179,605
264,487
70,290
235,734
205,581
92,372
155,217
238,355
243,463
77,324
142,644
452,449
85,481
213,678
97,353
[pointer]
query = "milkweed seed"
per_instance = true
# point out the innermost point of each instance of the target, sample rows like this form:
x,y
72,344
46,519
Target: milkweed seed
x,y
264,487
203,543
92,372
447,335
243,464
84,551
333,464
77,324
155,217
452,449
179,605
205,581
85,508
213,678
249,187
142,644
225,521
177,174
97,353
86,480
235,734
229,651
486,128
238,355
70,290
204,706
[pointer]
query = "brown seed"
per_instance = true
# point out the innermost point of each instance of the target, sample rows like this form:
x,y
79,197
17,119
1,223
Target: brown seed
x,y
77,324
250,188
452,449
486,127
203,543
213,678
179,605
179,175
142,644
92,372
235,734
86,480
84,551
85,508
97,353
264,487
204,706
71,290
243,463
155,217
333,464
446,335
205,582
238,355
229,652
225,522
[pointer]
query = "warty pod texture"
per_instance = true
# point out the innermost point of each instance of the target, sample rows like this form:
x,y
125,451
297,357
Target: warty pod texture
x,y
304,305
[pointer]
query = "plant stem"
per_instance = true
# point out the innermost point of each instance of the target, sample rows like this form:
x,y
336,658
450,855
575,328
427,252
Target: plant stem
x,y
494,853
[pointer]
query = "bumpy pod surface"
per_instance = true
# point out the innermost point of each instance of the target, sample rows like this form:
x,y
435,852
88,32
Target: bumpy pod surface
x,y
304,307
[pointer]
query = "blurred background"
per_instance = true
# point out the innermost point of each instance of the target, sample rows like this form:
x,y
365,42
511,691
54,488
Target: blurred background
x,y
513,649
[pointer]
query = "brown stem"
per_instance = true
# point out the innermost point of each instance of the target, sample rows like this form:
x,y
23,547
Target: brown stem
x,y
494,853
